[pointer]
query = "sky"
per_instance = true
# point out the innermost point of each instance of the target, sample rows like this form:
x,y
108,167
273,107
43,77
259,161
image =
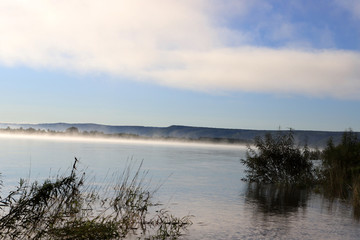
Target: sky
x,y
259,64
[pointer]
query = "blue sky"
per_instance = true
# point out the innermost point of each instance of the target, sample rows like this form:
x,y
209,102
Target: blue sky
x,y
217,63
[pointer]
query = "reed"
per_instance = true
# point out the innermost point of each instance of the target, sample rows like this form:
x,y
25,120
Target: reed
x,y
340,170
68,207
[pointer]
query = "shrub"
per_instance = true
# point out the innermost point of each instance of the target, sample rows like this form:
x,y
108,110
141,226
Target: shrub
x,y
276,159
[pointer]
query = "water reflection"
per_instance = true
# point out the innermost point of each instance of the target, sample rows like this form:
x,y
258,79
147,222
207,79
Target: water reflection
x,y
271,199
275,212
291,213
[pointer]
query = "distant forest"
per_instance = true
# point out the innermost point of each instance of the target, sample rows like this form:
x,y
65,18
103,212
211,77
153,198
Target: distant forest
x,y
175,132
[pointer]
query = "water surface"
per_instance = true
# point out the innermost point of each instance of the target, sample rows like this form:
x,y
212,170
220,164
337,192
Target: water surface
x,y
203,180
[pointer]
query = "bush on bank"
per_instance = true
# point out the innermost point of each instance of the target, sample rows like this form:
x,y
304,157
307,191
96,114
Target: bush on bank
x,y
276,159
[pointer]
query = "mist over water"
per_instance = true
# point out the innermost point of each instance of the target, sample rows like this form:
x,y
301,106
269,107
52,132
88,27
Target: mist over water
x,y
199,179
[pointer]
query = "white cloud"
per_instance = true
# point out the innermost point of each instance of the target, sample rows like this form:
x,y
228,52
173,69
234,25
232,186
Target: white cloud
x,y
323,73
170,42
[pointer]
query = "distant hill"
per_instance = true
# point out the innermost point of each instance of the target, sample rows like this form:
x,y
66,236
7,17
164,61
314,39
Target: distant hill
x,y
313,138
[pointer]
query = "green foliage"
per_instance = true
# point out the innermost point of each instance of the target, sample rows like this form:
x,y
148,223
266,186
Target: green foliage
x,y
276,159
67,208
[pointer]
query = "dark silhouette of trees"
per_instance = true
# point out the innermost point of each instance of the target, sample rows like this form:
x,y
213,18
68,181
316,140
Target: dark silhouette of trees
x,y
72,130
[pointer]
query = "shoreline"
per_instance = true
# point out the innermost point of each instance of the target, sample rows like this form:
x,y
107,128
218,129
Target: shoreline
x,y
60,136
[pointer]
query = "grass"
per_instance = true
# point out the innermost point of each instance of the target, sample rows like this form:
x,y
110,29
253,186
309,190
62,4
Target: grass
x,y
68,207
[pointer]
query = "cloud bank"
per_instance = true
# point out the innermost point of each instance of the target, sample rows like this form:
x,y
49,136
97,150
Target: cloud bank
x,y
182,44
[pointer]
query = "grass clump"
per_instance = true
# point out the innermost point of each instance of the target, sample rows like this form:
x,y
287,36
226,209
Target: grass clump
x,y
69,208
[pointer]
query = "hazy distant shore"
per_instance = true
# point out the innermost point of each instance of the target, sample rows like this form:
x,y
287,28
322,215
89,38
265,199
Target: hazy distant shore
x,y
96,136
170,133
